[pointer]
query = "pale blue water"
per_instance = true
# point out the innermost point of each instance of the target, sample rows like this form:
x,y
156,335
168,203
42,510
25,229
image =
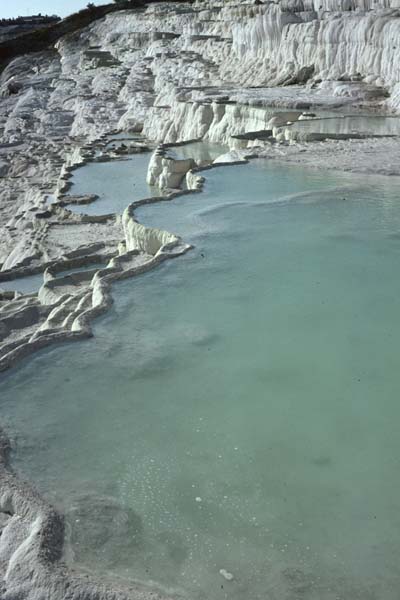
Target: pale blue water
x,y
241,400
120,182
368,125
25,285
201,152
31,283
117,183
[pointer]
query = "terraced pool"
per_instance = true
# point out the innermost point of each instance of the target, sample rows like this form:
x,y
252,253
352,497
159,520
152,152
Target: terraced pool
x,y
236,413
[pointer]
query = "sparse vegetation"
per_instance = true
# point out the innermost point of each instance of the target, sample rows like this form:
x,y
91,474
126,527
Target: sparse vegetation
x,y
40,39
30,20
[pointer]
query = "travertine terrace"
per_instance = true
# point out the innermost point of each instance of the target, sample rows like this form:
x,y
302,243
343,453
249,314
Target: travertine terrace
x,y
237,73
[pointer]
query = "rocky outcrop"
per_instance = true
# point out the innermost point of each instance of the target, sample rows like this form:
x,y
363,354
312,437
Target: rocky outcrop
x,y
234,72
145,239
337,41
65,306
214,122
166,172
25,40
173,71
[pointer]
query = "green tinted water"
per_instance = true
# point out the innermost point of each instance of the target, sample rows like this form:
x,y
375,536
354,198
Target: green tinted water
x,y
239,404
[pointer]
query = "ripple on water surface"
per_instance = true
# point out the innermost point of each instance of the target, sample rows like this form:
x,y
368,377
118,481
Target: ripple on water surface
x,y
238,408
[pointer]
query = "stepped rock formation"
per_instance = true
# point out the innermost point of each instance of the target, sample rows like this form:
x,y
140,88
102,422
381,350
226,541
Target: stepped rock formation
x,y
177,72
231,72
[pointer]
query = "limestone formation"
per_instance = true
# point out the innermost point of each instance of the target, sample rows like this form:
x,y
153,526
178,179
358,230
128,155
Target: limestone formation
x,y
166,172
236,72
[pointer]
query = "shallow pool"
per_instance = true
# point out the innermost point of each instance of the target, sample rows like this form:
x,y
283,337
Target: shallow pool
x,y
117,183
201,152
238,407
26,285
31,283
365,125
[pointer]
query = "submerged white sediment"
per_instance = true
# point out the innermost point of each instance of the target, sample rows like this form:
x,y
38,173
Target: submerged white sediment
x,y
190,349
175,73
63,311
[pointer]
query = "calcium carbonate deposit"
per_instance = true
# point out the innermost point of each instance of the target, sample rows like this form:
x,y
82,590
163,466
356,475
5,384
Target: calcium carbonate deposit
x,y
226,424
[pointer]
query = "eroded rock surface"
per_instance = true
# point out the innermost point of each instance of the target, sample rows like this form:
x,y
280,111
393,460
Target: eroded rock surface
x,y
179,72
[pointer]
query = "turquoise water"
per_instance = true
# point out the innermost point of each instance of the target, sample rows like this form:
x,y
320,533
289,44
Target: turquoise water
x,y
117,183
238,408
120,182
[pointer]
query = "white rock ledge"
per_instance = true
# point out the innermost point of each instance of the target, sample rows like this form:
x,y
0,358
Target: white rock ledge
x,y
216,71
31,543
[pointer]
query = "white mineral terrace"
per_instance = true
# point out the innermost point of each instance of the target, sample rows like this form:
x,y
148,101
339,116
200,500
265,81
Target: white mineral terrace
x,y
286,117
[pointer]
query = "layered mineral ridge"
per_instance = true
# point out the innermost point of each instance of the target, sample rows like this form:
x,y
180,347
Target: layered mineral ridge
x,y
232,72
